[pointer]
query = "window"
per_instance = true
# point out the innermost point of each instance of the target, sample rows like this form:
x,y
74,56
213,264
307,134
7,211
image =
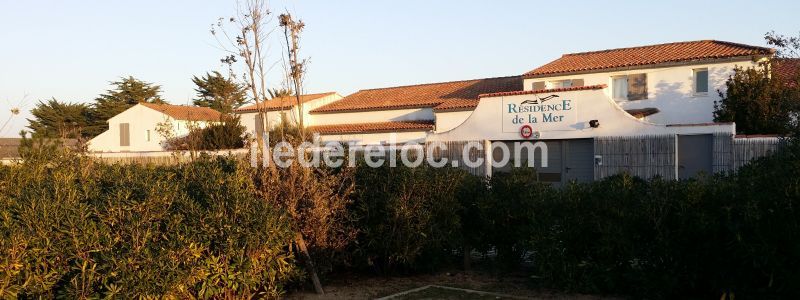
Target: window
x,y
701,81
619,87
148,135
558,84
629,87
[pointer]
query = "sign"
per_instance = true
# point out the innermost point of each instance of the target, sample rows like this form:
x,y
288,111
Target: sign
x,y
548,113
526,131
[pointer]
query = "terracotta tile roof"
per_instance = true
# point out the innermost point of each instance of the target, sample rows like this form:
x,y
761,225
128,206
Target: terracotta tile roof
x,y
186,113
574,88
646,55
282,103
373,127
445,95
787,70
457,105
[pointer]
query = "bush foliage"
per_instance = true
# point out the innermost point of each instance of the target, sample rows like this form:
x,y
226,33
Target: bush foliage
x,y
75,228
737,233
72,228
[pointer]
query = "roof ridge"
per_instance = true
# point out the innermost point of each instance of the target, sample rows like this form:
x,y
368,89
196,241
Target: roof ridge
x,y
665,44
312,94
176,105
434,83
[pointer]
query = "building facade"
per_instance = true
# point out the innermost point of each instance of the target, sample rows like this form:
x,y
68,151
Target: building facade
x,y
146,126
283,109
645,110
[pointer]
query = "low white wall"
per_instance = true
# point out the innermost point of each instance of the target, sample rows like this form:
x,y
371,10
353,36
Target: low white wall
x,y
377,138
670,89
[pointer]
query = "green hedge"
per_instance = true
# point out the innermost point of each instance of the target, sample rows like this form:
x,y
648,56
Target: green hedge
x,y
732,233
72,228
407,217
658,238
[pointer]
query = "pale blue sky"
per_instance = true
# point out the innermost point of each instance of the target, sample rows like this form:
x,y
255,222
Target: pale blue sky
x,y
71,50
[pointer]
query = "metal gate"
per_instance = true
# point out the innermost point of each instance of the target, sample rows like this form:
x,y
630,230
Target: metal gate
x,y
695,155
567,160
578,160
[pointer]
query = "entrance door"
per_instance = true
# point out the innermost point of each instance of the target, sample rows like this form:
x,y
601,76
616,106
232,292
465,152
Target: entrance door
x,y
579,160
694,155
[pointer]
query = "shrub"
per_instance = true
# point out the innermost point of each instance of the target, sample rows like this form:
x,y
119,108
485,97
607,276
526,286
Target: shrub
x,y
73,228
408,218
223,135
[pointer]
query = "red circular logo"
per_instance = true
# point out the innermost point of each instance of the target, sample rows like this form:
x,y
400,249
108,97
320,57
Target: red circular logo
x,y
526,131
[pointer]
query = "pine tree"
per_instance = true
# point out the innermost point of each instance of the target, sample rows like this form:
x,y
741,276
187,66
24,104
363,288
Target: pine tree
x,y
218,92
54,119
126,93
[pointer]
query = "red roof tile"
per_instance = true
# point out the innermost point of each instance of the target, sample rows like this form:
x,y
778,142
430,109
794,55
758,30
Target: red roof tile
x,y
185,113
786,70
282,103
373,127
646,55
448,95
574,88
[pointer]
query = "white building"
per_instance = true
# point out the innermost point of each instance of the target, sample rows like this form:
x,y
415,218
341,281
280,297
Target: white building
x,y
284,108
411,112
646,110
679,80
137,128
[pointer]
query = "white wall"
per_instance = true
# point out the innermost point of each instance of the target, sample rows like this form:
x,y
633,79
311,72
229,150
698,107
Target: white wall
x,y
248,120
450,119
414,114
392,115
487,121
141,119
377,138
670,89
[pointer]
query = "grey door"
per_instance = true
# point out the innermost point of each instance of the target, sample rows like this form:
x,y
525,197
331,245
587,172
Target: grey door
x,y
694,155
551,173
579,160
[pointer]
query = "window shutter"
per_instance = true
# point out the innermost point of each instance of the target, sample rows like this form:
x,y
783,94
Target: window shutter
x,y
637,86
577,82
538,85
124,134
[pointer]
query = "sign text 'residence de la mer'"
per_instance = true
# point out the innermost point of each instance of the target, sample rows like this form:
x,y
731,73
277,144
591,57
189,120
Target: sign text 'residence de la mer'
x,y
543,114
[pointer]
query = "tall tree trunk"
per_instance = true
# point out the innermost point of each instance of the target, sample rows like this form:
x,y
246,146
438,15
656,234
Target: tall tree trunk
x,y
301,243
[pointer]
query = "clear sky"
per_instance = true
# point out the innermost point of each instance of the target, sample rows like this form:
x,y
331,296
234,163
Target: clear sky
x,y
70,50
